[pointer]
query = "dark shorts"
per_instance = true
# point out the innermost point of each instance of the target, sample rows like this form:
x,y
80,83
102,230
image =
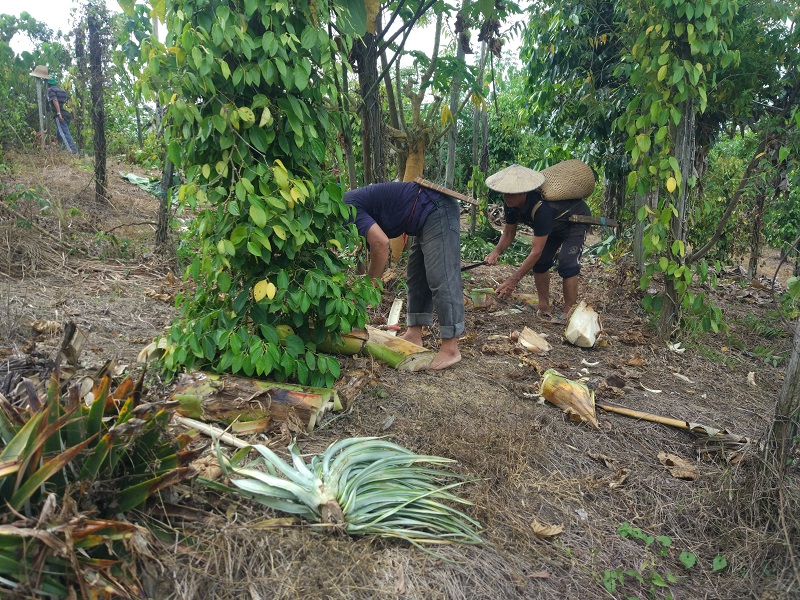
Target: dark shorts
x,y
567,239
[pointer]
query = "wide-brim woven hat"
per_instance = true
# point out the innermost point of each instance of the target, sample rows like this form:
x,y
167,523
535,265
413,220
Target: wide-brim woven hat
x,y
568,180
40,72
515,179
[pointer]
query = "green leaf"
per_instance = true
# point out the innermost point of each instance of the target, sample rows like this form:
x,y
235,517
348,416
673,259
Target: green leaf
x,y
224,68
174,153
688,559
719,563
258,216
352,17
51,467
224,282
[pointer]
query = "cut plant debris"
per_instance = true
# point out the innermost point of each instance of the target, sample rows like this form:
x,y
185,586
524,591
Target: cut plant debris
x,y
364,486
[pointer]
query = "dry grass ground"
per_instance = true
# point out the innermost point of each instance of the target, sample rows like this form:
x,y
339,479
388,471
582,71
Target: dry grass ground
x,y
530,463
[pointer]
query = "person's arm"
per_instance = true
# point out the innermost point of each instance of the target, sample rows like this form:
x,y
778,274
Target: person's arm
x,y
378,251
58,109
537,246
509,232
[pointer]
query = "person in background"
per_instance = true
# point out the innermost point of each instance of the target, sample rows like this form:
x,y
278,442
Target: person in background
x,y
58,98
552,233
389,210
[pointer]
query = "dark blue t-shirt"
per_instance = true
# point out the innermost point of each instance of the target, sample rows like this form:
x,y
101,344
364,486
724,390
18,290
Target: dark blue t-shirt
x,y
547,217
397,207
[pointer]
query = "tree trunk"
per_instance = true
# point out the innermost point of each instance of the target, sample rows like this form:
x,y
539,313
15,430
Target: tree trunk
x,y
366,58
138,123
757,222
784,430
81,83
452,135
650,200
613,193
95,27
164,213
684,153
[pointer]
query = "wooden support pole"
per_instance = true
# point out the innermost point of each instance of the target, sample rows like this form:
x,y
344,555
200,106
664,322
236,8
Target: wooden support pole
x,y
41,111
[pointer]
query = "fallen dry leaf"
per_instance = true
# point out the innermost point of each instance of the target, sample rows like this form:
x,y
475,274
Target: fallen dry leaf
x,y
678,467
600,457
635,361
545,531
539,575
46,327
619,478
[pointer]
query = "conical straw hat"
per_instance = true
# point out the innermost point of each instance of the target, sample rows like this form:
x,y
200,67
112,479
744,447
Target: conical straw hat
x,y
40,71
568,180
515,179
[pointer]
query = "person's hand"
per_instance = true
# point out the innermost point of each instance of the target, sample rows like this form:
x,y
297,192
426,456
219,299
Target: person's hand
x,y
505,289
60,117
492,257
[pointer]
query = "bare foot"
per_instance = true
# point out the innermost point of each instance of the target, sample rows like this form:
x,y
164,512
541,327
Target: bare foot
x,y
411,337
442,360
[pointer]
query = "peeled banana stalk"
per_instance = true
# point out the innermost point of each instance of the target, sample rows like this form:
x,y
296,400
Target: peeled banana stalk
x,y
573,397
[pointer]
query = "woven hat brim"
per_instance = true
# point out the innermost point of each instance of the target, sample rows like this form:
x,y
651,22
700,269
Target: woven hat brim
x,y
40,72
515,179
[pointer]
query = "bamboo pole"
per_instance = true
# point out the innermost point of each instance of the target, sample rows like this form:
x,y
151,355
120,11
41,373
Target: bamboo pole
x,y
645,416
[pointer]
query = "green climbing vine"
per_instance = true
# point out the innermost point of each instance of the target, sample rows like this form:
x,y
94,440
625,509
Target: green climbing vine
x,y
249,93
674,63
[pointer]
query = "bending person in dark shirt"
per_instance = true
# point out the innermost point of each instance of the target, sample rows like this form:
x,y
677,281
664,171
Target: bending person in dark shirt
x,y
389,210
552,233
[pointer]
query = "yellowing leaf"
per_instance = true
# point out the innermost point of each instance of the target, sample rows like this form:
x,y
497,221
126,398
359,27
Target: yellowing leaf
x,y
174,97
279,231
447,116
206,171
281,174
264,288
246,115
335,242
266,118
671,184
545,531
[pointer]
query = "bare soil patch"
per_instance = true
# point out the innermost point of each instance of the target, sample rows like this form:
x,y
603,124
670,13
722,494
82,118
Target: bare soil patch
x,y
95,264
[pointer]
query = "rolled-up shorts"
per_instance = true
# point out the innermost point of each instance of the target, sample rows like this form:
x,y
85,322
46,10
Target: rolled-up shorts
x,y
434,270
567,239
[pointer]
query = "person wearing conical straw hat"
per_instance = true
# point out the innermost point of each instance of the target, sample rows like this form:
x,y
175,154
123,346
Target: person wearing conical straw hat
x,y
524,202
